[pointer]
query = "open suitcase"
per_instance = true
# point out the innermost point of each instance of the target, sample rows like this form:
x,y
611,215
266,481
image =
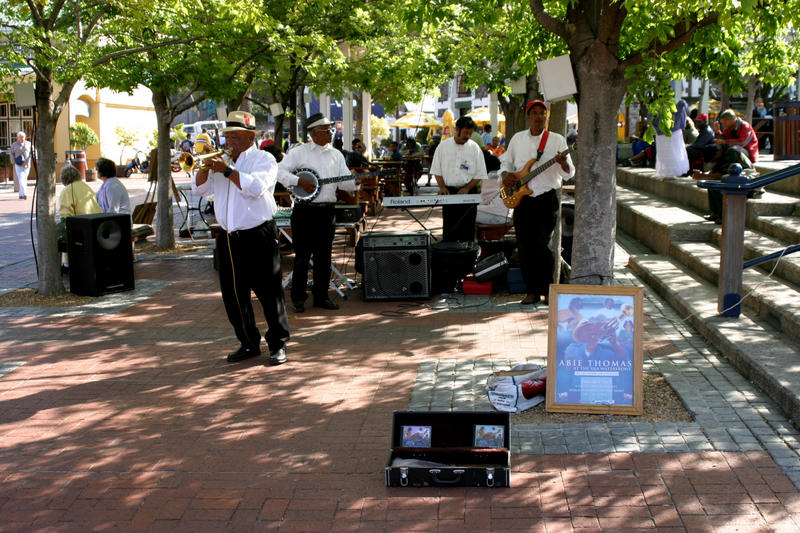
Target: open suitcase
x,y
443,448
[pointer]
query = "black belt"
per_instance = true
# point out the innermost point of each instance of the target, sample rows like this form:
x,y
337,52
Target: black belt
x,y
242,232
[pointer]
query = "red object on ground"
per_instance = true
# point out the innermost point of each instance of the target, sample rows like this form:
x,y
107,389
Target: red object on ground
x,y
533,387
471,286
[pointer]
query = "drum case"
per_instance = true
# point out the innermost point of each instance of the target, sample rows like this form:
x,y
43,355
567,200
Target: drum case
x,y
451,459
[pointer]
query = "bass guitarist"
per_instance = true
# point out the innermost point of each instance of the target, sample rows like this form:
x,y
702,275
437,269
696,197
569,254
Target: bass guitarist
x,y
313,223
536,215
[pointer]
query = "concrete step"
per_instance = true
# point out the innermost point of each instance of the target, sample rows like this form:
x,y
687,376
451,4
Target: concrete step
x,y
657,223
761,353
684,192
758,245
771,299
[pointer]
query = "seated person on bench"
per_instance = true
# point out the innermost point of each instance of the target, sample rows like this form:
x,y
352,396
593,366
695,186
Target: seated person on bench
x,y
721,157
492,210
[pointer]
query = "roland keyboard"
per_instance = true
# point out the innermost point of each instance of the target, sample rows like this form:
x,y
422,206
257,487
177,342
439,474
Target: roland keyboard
x,y
431,200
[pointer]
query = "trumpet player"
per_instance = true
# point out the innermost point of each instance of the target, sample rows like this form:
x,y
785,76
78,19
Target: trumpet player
x,y
247,249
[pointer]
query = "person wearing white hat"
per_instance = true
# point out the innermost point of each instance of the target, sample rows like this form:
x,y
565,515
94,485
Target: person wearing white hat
x,y
247,249
313,223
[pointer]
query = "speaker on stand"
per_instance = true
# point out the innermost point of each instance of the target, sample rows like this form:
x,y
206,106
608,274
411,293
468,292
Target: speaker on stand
x,y
100,254
396,265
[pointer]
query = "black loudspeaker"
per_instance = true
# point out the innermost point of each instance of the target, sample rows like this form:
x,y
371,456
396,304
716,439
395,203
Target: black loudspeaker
x,y
100,253
396,265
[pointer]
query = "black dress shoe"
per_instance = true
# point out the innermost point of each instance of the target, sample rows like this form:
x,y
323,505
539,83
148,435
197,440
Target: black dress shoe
x,y
298,307
278,357
243,353
326,304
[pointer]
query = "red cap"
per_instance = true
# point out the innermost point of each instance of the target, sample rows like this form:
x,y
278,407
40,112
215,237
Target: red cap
x,y
702,117
535,103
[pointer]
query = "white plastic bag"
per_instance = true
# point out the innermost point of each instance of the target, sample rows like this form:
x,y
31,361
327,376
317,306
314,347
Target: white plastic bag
x,y
511,391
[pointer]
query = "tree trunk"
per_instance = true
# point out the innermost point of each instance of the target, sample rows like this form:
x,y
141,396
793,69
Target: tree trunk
x,y
601,87
165,231
752,85
47,255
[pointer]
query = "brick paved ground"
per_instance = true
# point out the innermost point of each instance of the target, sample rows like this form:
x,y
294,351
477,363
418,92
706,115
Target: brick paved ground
x,y
125,416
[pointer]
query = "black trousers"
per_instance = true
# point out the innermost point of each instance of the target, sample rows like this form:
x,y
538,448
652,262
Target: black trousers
x,y
534,222
253,262
458,221
313,226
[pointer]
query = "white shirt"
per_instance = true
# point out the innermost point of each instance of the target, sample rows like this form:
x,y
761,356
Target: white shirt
x,y
523,148
113,197
326,161
253,204
458,164
491,202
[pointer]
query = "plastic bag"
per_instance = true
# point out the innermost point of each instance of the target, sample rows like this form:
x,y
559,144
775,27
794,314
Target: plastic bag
x,y
518,389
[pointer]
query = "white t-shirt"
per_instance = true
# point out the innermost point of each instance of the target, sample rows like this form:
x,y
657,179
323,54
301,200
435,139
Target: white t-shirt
x,y
458,164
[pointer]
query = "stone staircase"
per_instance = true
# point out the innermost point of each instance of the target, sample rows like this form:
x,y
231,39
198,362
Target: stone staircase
x,y
682,265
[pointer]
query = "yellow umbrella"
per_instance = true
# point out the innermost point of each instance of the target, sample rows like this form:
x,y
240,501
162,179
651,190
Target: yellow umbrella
x,y
416,120
482,116
448,124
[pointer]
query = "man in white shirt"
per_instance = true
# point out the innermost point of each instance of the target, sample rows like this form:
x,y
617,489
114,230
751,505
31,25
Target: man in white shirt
x,y
314,222
458,166
21,157
535,216
247,249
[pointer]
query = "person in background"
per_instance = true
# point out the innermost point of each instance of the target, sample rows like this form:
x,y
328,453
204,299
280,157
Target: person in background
x,y
77,198
722,157
394,154
671,158
112,196
203,143
487,135
21,156
188,144
734,131
705,137
495,147
762,121
357,157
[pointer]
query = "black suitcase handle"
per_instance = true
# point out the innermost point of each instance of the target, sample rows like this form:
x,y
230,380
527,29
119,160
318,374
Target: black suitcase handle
x,y
454,481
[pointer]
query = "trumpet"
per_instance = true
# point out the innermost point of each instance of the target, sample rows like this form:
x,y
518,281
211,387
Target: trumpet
x,y
189,162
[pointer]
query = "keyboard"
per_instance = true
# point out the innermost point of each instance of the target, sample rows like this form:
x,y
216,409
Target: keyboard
x,y
431,200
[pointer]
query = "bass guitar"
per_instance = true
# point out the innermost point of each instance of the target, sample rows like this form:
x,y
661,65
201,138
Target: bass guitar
x,y
513,195
299,195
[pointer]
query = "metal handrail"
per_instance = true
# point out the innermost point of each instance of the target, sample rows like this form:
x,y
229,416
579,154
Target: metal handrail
x,y
736,183
770,257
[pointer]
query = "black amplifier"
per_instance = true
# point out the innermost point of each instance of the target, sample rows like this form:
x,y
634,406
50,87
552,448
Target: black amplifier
x,y
396,239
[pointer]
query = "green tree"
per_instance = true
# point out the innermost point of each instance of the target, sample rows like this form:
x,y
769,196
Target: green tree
x,y
60,43
126,138
618,49
180,76
82,135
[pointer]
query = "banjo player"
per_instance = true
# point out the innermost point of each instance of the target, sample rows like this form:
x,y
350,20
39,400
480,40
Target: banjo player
x,y
313,222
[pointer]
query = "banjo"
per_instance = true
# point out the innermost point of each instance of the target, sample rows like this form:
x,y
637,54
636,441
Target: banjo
x,y
299,195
